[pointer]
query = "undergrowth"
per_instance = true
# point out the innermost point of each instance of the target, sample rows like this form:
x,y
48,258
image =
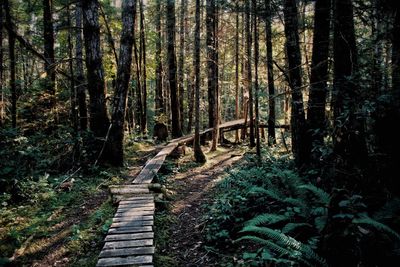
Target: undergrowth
x,y
266,213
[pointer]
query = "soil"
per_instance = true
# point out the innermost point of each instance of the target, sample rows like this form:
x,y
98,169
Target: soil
x,y
193,193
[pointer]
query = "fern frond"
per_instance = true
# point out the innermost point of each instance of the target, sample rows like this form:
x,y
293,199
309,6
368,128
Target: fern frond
x,y
323,197
287,241
377,225
290,227
266,219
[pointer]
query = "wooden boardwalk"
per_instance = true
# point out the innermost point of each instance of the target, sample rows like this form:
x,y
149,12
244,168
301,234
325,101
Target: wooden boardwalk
x,y
130,239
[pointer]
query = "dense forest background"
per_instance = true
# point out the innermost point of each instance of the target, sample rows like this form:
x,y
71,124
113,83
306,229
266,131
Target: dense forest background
x,y
81,82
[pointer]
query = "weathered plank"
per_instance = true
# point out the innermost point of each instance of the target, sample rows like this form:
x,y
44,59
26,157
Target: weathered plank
x,y
128,244
133,223
130,230
127,252
137,197
127,261
135,236
121,191
137,201
136,208
129,218
134,213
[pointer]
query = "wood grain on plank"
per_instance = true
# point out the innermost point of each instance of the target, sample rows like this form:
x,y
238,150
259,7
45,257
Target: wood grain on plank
x,y
135,236
128,243
133,260
127,252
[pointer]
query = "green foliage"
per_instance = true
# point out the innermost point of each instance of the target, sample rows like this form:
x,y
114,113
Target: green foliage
x,y
284,216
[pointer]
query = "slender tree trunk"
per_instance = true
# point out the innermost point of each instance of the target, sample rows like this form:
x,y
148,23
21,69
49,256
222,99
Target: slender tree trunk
x,y
237,72
143,121
198,153
294,64
11,55
73,98
122,82
159,99
319,76
256,88
81,87
99,121
191,99
48,37
175,105
139,104
2,108
270,70
249,73
181,87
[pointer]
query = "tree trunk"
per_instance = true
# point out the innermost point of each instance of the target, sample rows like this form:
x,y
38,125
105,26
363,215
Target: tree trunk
x,y
81,87
249,73
181,88
237,72
159,100
99,121
11,55
48,37
319,77
349,140
270,70
298,122
198,153
256,89
212,65
2,108
175,105
73,98
139,104
143,121
122,82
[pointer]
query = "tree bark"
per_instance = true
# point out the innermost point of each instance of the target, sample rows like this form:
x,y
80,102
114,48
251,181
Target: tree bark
x,y
319,77
11,55
181,87
81,87
198,153
298,122
249,73
175,105
256,88
159,99
237,114
2,108
122,82
270,70
48,37
99,121
143,121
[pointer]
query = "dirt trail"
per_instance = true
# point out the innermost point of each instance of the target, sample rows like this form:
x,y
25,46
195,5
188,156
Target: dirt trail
x,y
193,193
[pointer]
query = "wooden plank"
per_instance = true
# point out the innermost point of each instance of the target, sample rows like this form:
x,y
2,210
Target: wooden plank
x,y
149,196
134,223
126,252
135,236
128,261
133,218
136,208
128,244
121,191
134,213
137,201
130,230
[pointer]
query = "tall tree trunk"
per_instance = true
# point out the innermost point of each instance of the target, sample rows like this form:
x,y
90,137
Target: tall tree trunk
x,y
249,81
175,105
256,88
159,100
80,78
122,82
48,37
237,114
139,104
198,153
270,70
73,98
11,55
319,76
2,108
212,64
143,121
99,121
349,140
181,87
294,64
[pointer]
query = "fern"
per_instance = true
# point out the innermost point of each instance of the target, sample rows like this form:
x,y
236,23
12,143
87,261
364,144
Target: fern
x,y
377,225
318,192
287,241
266,219
290,227
388,210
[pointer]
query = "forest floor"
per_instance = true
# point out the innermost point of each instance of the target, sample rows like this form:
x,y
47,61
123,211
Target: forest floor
x,y
192,188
